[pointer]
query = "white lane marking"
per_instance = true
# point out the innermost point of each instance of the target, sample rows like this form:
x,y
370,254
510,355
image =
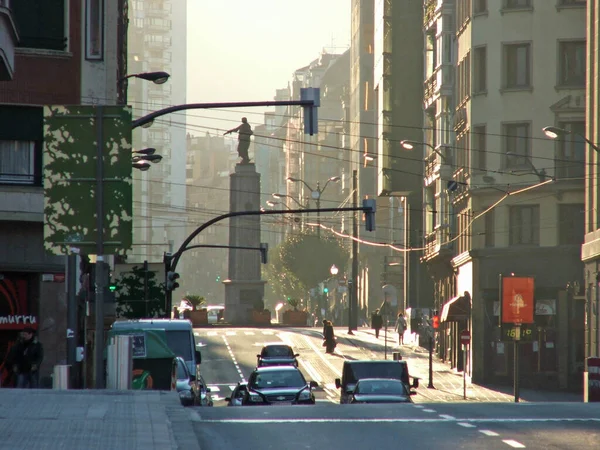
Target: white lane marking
x,y
489,432
213,388
249,333
513,444
322,356
231,333
196,334
232,387
447,417
330,386
419,406
237,366
466,425
268,333
311,371
429,410
388,420
211,333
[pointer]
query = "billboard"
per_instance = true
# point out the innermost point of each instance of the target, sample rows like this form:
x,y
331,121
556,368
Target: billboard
x,y
74,136
517,301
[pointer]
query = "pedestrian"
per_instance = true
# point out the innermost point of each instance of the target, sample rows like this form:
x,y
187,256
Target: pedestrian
x,y
25,358
328,337
244,132
376,322
401,328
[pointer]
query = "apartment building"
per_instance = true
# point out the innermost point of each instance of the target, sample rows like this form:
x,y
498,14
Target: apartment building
x,y
53,52
495,76
157,42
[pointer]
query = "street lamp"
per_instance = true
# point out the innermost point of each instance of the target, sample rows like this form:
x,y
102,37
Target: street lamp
x,y
145,151
155,77
151,158
276,195
141,165
540,173
409,145
333,270
316,195
555,133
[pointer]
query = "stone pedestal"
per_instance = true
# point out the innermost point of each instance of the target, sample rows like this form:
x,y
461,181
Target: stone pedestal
x,y
244,289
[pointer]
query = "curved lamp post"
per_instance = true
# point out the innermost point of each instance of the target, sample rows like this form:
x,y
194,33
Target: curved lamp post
x,y
409,145
556,132
316,195
155,77
280,196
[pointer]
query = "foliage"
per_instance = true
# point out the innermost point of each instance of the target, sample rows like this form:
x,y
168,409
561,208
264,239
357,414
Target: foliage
x,y
282,282
195,300
129,294
294,303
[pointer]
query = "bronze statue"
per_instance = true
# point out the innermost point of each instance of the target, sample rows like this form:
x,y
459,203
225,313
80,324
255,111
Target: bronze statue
x,y
244,133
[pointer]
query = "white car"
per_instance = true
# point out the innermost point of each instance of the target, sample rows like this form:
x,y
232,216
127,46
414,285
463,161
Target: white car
x,y
214,313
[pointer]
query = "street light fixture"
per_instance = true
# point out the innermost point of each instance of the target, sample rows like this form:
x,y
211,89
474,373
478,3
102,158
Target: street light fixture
x,y
556,132
333,270
141,165
155,77
409,145
280,196
145,151
151,158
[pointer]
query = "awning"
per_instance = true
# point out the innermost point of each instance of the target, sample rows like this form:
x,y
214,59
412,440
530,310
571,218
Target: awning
x,y
457,308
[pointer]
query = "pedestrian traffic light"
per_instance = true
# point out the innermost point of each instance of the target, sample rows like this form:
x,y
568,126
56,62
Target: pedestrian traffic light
x,y
436,322
172,283
369,213
325,290
218,278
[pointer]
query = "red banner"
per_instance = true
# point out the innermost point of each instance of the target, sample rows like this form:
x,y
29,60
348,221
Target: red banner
x,y
517,300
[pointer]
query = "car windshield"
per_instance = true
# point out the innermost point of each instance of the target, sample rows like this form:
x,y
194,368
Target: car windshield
x,y
356,371
179,343
277,351
380,387
277,379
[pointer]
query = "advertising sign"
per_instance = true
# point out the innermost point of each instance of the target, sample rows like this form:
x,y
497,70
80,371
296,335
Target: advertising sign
x,y
517,300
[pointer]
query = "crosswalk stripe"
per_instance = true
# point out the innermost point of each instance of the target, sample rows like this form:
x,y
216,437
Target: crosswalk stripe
x,y
230,333
249,333
267,333
211,333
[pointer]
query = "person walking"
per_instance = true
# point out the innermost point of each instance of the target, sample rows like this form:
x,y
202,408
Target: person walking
x,y
25,358
376,322
401,328
328,337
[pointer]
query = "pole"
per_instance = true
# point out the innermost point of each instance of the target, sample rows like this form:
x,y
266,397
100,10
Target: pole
x,y
100,270
168,293
72,325
354,307
516,362
385,335
464,372
318,211
146,287
430,385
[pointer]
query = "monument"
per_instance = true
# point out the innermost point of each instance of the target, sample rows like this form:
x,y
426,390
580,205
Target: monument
x,y
244,289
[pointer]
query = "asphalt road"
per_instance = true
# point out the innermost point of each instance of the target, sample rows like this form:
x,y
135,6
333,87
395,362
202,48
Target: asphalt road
x,y
436,420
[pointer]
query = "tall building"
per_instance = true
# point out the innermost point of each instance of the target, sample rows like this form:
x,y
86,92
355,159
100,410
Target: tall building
x,y
157,42
494,77
60,53
590,251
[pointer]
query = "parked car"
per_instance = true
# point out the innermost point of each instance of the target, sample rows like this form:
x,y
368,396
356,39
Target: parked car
x,y
192,391
381,390
277,354
237,395
215,313
279,385
353,371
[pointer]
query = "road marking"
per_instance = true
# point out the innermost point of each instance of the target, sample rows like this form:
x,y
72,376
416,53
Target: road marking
x,y
249,333
429,410
231,333
211,333
213,388
322,356
194,416
489,432
311,371
466,425
419,406
447,417
196,334
513,444
268,333
385,420
237,366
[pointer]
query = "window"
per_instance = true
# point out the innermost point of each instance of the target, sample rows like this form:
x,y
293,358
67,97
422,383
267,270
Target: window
x,y
479,6
570,157
572,2
463,79
571,226
41,24
516,144
489,228
517,4
17,162
571,63
480,70
94,29
524,225
517,66
479,147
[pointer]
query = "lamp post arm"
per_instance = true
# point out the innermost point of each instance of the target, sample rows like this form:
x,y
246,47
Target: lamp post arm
x,y
594,146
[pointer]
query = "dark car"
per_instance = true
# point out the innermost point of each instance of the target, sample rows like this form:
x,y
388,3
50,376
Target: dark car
x,y
353,371
277,355
237,395
279,385
192,391
381,390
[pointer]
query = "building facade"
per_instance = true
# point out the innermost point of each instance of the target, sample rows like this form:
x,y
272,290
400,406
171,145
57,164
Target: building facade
x,y
500,198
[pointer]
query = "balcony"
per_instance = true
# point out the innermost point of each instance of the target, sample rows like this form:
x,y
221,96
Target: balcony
x,y
429,11
430,88
9,39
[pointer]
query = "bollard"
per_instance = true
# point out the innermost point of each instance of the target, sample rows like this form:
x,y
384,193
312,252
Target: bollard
x,y
60,377
397,356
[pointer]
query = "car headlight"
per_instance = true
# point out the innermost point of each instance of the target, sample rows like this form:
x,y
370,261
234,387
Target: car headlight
x,y
304,395
186,395
255,398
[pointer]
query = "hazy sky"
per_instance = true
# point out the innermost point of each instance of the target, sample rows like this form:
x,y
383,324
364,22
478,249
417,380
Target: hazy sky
x,y
243,50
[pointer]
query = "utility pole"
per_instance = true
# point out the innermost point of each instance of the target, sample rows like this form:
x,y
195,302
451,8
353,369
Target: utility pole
x,y
354,306
146,287
72,316
101,281
319,210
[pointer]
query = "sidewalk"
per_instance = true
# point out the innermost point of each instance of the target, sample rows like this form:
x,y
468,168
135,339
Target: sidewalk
x,y
85,419
448,382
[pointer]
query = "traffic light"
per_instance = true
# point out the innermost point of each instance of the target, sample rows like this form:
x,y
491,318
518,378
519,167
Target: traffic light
x,y
369,214
436,322
218,279
325,290
172,283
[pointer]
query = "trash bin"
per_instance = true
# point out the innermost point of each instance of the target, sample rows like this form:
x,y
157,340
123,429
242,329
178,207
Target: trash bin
x,y
60,377
592,383
397,356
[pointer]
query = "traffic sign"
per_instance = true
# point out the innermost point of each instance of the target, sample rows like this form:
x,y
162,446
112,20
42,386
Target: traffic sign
x,y
465,337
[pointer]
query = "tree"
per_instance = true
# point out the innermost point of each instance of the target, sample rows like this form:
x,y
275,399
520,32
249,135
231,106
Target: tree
x,y
282,282
129,293
195,300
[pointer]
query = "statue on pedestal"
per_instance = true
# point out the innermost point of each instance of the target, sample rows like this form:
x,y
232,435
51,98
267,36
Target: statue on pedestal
x,y
244,133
